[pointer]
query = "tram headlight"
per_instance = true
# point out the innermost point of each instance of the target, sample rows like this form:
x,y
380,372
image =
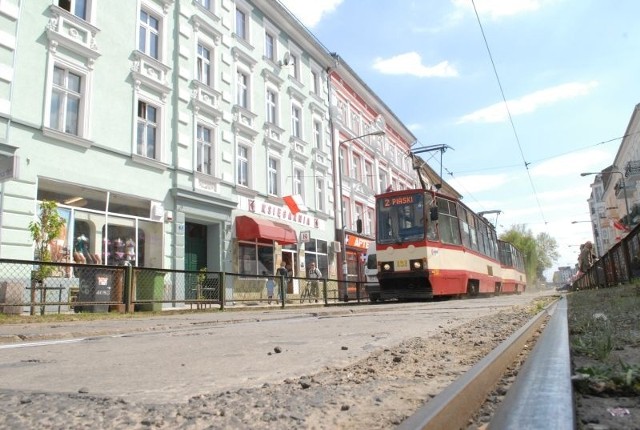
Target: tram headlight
x,y
416,264
386,266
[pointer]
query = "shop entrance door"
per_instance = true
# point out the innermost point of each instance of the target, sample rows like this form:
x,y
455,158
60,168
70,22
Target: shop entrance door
x,y
289,257
195,255
353,272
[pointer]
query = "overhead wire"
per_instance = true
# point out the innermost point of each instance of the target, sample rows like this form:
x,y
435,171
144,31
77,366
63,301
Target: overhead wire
x,y
504,99
509,166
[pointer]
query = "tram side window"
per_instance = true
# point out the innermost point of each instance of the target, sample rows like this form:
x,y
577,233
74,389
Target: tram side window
x,y
448,222
464,228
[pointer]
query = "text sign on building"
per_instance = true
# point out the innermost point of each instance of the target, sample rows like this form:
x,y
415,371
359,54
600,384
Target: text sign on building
x,y
305,236
8,168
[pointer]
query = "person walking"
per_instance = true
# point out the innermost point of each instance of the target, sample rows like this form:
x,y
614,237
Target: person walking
x,y
314,274
585,261
271,285
283,275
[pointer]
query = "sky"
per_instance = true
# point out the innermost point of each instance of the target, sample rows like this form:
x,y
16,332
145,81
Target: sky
x,y
569,71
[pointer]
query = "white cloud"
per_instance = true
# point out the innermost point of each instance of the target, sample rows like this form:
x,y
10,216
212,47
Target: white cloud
x,y
529,103
410,63
572,164
496,9
474,183
311,12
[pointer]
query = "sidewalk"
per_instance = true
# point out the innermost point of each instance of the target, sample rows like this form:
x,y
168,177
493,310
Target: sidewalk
x,y
174,318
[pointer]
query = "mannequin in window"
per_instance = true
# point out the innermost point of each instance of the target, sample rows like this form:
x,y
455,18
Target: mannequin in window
x,y
118,251
81,248
130,250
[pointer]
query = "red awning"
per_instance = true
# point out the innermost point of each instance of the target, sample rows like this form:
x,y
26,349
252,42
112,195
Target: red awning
x,y
248,228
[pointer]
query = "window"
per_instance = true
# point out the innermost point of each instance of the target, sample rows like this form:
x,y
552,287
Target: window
x,y
357,168
315,83
269,47
241,24
320,195
368,172
76,7
272,107
295,67
383,180
204,65
368,222
359,216
205,4
242,90
66,101
298,182
149,42
343,161
204,150
272,176
243,166
255,259
317,134
296,121
147,130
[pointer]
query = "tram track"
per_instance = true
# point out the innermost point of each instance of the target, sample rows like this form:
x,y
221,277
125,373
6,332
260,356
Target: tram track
x,y
540,397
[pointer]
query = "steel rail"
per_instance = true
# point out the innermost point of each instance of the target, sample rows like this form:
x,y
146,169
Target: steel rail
x,y
457,403
542,395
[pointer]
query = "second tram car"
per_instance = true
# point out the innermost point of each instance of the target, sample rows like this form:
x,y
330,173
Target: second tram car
x,y
512,264
430,245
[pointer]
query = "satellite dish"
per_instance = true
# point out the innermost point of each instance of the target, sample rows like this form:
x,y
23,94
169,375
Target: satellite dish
x,y
286,59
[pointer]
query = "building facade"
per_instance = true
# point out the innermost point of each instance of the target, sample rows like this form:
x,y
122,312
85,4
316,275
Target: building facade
x,y
168,132
371,153
615,196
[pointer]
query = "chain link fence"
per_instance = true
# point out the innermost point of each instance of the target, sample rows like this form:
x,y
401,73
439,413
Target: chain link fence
x,y
36,288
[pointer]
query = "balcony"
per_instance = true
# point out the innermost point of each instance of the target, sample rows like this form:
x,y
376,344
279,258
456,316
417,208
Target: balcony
x,y
73,33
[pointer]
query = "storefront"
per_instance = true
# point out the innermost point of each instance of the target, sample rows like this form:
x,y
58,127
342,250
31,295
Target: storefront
x,y
107,228
356,252
267,234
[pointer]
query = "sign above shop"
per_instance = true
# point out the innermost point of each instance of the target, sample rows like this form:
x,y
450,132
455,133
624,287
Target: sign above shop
x,y
280,213
305,236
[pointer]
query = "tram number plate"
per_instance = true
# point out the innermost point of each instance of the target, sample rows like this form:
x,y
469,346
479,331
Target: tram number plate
x,y
402,264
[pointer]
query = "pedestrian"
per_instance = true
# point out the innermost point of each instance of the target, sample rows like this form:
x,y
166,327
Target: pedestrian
x,y
283,275
585,261
314,274
270,287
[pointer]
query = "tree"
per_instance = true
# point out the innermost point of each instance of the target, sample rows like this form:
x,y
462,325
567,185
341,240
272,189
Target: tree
x,y
547,253
47,227
523,239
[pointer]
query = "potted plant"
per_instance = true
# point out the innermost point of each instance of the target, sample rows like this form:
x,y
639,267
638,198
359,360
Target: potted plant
x,y
46,228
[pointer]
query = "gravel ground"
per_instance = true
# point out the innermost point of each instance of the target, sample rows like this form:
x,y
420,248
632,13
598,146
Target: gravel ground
x,y
378,392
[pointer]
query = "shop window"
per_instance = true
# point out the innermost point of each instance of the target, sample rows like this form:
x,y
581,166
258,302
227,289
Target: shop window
x,y
254,259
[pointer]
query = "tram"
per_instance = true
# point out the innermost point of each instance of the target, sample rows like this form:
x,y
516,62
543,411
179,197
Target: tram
x,y
431,245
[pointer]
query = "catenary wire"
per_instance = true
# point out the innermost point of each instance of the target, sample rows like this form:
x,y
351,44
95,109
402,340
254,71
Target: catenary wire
x,y
513,127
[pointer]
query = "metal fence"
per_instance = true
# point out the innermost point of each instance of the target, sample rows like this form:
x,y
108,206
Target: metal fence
x,y
621,264
36,288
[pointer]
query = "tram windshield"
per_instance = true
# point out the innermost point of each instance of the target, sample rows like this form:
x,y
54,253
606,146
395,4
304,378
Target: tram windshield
x,y
401,218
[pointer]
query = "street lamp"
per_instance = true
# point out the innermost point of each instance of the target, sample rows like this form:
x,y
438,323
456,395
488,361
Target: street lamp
x,y
345,269
624,187
576,222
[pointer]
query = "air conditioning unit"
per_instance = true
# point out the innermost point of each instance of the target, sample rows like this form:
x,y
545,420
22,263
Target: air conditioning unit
x,y
337,246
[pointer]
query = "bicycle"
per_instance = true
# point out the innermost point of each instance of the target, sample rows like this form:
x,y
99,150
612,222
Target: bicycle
x,y
306,293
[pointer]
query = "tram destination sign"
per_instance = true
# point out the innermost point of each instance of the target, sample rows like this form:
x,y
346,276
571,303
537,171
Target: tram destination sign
x,y
398,201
